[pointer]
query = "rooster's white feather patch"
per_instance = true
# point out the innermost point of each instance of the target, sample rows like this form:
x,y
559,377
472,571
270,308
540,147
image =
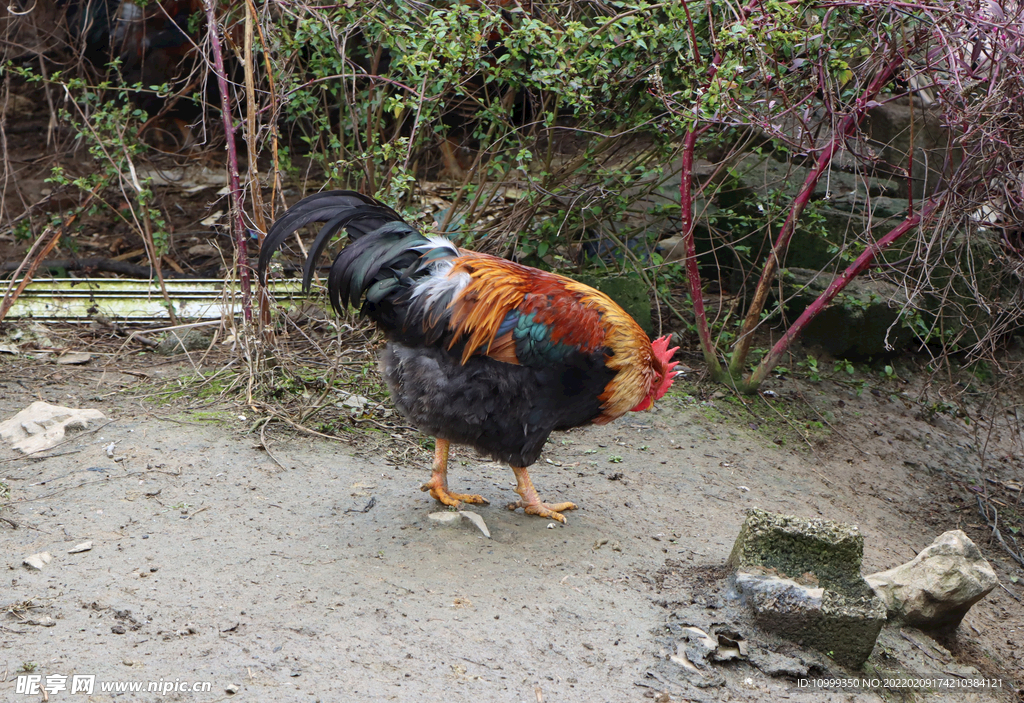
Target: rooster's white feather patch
x,y
439,284
435,241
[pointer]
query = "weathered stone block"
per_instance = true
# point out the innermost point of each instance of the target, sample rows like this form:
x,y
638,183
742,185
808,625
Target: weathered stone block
x,y
188,341
844,627
802,579
828,551
891,126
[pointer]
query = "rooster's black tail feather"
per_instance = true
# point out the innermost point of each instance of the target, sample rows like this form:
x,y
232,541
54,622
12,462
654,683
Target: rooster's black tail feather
x,y
338,209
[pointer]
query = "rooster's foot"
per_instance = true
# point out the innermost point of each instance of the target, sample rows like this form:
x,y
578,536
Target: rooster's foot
x,y
438,483
439,491
545,510
531,503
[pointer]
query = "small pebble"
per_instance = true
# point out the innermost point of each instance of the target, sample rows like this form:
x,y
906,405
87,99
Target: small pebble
x,y
446,517
38,561
74,358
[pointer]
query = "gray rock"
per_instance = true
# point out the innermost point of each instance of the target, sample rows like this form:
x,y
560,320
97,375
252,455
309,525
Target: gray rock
x,y
692,653
936,588
179,341
38,561
801,577
699,646
864,319
478,521
453,519
775,664
204,250
41,425
891,125
841,206
74,358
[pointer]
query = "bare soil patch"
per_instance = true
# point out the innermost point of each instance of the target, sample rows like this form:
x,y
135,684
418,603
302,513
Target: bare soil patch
x,y
214,560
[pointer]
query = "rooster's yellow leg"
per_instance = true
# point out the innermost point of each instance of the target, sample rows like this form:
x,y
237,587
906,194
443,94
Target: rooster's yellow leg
x,y
531,503
438,483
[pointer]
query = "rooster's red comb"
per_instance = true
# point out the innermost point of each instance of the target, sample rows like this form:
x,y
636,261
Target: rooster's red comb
x,y
661,350
663,353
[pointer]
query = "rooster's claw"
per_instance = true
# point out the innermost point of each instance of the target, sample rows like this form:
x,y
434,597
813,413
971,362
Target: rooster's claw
x,y
551,512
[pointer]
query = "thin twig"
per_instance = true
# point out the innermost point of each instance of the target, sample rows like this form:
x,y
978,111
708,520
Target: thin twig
x,y
266,447
15,524
992,523
251,141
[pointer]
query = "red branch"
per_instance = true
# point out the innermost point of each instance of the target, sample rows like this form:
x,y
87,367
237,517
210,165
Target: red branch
x,y
237,224
692,273
838,284
845,128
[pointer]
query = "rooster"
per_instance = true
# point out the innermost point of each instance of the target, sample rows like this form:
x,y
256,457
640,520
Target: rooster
x,y
481,351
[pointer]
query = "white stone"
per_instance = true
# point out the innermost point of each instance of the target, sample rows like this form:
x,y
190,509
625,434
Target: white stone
x,y
38,561
74,358
446,517
41,425
203,250
478,521
937,587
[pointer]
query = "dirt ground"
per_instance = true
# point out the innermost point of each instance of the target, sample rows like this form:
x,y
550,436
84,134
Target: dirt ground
x,y
312,572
